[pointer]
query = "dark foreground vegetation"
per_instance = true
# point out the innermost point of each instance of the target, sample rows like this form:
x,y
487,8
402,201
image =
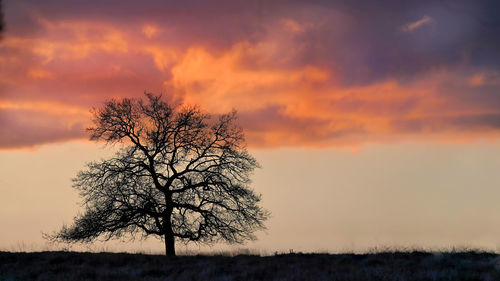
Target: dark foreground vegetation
x,y
470,265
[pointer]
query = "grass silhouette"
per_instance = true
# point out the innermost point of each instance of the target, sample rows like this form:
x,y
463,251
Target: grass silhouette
x,y
387,266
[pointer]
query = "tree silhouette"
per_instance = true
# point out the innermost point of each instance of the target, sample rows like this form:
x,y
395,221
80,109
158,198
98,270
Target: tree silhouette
x,y
179,173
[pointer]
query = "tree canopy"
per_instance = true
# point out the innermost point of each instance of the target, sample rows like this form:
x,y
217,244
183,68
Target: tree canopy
x,y
179,174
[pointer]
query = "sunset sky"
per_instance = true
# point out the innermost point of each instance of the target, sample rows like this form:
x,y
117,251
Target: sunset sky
x,y
377,123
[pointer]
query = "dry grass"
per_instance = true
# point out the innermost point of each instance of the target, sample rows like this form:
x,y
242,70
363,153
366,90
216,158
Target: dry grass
x,y
386,266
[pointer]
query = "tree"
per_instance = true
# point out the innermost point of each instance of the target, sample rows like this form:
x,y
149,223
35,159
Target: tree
x,y
179,173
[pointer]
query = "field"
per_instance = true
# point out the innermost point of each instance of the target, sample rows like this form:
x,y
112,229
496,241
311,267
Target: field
x,y
386,266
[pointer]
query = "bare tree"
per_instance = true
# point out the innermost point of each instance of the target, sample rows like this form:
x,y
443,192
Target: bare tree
x,y
180,174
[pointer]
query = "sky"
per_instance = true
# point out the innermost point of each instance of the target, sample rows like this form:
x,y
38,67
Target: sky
x,y
376,123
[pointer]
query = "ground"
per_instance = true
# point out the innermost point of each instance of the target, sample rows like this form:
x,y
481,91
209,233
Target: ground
x,y
386,266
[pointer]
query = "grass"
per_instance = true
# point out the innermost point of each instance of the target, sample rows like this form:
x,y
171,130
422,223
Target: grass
x,y
386,266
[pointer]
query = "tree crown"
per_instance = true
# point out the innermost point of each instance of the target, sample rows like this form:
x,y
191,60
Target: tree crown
x,y
180,173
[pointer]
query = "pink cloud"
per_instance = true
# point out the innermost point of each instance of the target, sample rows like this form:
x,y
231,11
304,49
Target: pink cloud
x,y
292,84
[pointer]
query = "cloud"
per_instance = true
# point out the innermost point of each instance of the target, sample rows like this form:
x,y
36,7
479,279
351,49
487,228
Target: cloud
x,y
409,27
150,31
232,84
29,128
315,73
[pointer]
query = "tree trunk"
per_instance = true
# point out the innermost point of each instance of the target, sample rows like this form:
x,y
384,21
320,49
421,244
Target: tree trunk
x,y
169,245
167,227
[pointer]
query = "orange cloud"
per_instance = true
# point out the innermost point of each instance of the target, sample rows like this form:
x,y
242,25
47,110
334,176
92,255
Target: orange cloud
x,y
164,57
306,106
54,108
220,83
293,26
50,79
150,31
40,73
